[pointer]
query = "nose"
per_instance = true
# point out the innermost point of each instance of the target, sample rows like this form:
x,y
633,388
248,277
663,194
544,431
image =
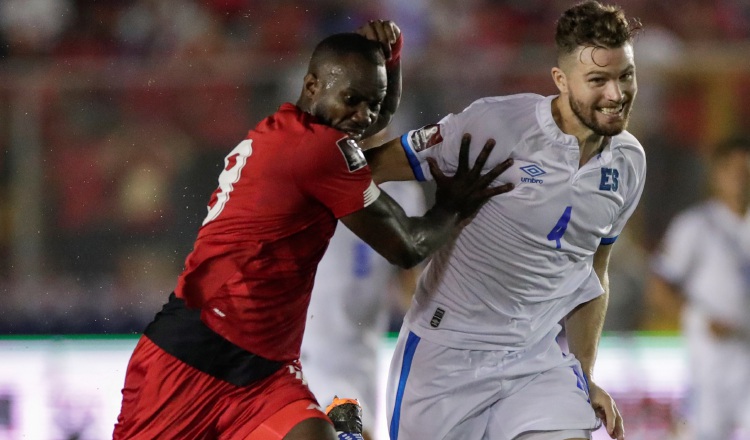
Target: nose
x,y
614,91
363,115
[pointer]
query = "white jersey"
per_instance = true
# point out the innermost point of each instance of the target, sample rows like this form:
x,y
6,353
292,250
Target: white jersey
x,y
706,252
526,259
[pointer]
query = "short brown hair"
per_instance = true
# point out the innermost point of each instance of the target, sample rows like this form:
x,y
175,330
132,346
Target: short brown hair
x,y
591,24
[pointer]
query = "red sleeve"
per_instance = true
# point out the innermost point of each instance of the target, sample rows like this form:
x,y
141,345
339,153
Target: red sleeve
x,y
335,171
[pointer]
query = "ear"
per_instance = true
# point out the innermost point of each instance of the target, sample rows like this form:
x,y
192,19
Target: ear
x,y
311,85
561,81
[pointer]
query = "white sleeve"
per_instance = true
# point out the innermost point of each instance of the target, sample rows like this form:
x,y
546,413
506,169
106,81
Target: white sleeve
x,y
442,141
633,183
439,141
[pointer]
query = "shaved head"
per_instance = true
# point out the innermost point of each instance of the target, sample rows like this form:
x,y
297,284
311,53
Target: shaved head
x,y
337,48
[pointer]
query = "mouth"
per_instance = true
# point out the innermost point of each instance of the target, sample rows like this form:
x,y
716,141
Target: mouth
x,y
353,132
613,112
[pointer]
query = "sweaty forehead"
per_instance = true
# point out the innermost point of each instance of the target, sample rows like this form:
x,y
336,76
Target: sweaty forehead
x,y
356,73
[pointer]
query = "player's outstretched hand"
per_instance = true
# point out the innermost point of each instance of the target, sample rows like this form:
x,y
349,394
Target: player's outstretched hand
x,y
384,31
466,191
605,408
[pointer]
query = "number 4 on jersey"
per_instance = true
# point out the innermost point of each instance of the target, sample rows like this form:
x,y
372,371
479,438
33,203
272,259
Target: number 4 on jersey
x,y
559,230
233,164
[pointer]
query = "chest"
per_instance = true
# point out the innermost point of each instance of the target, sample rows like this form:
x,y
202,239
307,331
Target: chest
x,y
555,203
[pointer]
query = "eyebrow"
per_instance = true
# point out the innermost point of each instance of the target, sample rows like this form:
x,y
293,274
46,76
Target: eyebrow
x,y
629,67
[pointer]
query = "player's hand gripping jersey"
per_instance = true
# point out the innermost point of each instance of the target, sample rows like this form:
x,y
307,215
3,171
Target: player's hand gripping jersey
x,y
268,224
530,250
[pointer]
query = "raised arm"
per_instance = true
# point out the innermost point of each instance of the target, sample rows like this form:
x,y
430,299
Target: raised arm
x,y
389,35
406,241
583,327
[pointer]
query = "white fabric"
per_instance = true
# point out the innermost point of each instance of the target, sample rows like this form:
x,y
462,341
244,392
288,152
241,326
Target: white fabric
x,y
706,253
503,283
453,394
348,314
555,435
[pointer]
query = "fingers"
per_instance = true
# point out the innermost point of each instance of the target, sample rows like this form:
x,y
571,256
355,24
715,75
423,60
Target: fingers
x,y
437,173
608,412
384,31
463,154
619,430
497,190
498,169
482,158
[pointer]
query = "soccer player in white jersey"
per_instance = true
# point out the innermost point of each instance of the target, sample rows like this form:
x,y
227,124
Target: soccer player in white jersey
x,y
704,261
477,356
348,314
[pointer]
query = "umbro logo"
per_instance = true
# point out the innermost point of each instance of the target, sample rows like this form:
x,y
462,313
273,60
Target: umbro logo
x,y
534,171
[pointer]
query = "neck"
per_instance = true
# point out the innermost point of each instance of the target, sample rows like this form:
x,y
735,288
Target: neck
x,y
735,205
589,143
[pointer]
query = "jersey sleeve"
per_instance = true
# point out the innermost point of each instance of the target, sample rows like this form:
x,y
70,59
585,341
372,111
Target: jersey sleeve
x,y
442,141
334,171
633,183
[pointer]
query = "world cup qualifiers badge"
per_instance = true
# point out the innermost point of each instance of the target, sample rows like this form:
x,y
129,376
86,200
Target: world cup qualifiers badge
x,y
426,137
355,158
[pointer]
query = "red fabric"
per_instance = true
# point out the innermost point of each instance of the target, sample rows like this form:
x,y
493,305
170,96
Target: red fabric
x,y
279,425
395,52
165,398
252,267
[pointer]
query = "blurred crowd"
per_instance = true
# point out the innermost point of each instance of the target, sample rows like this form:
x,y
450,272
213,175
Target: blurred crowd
x,y
115,117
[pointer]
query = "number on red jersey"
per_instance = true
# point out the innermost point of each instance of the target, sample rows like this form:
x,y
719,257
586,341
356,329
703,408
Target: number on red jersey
x,y
233,164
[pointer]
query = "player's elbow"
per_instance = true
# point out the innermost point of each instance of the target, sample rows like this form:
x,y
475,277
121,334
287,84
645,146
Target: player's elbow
x,y
406,257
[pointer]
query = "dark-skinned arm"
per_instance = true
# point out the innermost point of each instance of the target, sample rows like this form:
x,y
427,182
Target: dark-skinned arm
x,y
388,162
406,241
387,33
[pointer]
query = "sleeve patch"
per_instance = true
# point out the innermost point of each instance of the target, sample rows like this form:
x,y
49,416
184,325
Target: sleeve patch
x,y
355,158
426,137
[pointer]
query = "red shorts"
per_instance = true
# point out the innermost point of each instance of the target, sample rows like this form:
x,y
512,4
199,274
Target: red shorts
x,y
164,398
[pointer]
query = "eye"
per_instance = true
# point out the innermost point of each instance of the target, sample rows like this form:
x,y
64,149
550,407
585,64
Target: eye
x,y
597,81
375,105
627,76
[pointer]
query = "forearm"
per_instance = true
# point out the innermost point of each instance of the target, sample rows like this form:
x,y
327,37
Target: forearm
x,y
430,232
393,91
390,102
583,329
402,240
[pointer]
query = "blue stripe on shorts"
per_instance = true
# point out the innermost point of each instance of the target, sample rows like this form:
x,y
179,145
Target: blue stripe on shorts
x,y
411,346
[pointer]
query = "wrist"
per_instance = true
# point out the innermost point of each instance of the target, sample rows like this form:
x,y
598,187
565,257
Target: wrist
x,y
445,213
395,58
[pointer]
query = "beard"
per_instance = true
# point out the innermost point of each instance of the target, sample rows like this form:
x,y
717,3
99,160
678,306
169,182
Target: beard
x,y
589,120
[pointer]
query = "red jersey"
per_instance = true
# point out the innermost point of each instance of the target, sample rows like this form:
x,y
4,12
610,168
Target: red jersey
x,y
269,222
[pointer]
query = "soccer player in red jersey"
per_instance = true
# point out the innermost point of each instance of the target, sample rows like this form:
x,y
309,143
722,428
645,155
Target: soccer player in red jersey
x,y
220,361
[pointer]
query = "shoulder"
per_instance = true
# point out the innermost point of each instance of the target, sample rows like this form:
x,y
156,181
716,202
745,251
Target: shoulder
x,y
291,121
504,104
626,145
505,116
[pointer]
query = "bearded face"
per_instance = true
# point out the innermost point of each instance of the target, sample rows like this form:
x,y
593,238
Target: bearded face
x,y
601,88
